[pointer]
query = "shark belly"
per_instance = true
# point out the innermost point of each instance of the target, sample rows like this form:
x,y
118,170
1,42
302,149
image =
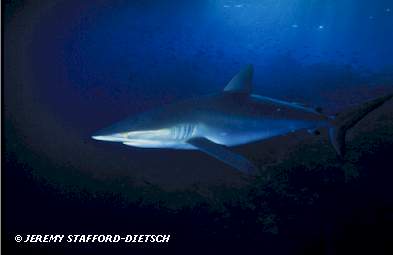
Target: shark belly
x,y
235,132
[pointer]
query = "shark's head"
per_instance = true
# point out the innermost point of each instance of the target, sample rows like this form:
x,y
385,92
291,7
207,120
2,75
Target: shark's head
x,y
148,130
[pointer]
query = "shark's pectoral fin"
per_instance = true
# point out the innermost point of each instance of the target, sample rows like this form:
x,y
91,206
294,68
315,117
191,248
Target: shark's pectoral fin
x,y
222,153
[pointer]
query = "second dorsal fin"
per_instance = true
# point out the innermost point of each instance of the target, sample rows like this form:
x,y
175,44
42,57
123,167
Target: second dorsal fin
x,y
242,81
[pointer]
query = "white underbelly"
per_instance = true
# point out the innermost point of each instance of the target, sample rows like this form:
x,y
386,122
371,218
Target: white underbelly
x,y
233,139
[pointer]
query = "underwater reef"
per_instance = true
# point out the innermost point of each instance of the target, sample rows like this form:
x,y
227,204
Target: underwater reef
x,y
306,198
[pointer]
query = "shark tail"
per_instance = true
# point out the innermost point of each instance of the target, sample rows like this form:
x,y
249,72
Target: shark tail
x,y
346,120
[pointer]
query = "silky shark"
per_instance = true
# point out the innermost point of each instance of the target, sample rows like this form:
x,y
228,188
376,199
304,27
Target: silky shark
x,y
214,123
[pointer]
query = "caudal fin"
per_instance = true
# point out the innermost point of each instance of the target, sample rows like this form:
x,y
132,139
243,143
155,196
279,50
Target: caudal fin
x,y
343,122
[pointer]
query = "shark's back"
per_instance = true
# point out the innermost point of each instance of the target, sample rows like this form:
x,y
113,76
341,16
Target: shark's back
x,y
242,106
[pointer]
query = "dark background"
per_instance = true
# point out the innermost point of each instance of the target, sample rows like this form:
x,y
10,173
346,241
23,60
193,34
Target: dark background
x,y
72,67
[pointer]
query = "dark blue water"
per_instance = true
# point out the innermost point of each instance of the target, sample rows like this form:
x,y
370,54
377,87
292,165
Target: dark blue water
x,y
118,58
72,67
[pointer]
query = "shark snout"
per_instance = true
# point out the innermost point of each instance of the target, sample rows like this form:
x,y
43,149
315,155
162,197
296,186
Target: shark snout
x,y
102,138
105,135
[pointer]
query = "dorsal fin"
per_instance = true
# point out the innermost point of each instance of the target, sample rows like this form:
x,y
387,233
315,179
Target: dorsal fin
x,y
241,82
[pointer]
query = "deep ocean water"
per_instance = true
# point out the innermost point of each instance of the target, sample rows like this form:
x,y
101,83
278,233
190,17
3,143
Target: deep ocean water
x,y
72,67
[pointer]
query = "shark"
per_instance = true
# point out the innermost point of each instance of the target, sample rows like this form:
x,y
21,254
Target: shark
x,y
213,123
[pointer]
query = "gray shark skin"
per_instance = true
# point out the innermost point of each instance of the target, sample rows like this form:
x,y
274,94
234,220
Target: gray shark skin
x,y
215,122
